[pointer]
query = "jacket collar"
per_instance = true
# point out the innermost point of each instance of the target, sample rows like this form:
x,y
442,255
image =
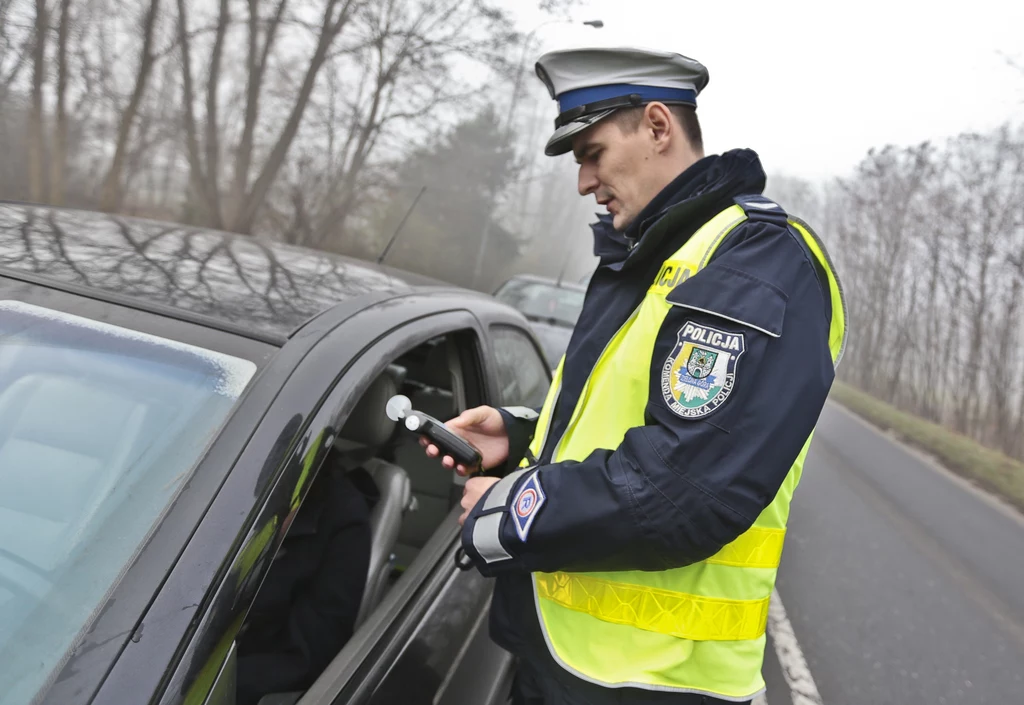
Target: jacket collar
x,y
692,197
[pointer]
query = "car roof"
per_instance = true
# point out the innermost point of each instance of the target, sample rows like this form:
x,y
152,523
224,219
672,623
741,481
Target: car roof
x,y
547,280
246,282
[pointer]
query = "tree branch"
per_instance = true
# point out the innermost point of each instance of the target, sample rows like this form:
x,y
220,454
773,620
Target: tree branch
x,y
197,179
212,135
332,27
58,160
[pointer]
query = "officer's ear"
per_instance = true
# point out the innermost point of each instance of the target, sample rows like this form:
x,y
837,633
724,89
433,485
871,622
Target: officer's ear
x,y
658,123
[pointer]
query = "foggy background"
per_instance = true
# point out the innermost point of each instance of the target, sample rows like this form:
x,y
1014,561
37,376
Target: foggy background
x,y
335,124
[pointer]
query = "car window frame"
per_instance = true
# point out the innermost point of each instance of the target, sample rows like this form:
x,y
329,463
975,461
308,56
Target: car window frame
x,y
194,606
530,339
497,313
375,642
367,660
363,370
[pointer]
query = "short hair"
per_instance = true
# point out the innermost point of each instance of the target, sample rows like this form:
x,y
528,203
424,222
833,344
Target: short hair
x,y
629,119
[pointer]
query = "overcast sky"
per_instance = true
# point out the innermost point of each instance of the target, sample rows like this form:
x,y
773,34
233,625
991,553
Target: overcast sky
x,y
812,86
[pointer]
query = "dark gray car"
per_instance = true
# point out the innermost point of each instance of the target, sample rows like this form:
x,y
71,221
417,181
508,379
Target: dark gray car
x,y
551,306
168,396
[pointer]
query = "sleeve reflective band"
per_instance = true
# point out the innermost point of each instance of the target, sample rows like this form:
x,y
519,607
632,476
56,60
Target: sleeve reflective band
x,y
501,490
521,412
678,614
487,538
487,530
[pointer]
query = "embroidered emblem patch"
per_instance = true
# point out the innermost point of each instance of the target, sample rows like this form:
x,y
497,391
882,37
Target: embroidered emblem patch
x,y
526,505
700,372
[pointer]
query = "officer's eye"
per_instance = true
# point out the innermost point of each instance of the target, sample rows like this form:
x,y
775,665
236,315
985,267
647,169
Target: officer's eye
x,y
590,156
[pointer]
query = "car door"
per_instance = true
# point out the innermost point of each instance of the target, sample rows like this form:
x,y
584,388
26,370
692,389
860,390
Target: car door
x,y
209,589
427,642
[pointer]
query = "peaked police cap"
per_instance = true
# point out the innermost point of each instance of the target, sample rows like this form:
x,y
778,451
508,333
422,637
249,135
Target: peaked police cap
x,y
591,84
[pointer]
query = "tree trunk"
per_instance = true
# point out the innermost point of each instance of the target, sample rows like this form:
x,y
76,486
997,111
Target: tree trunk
x,y
58,160
197,179
331,28
36,155
999,371
212,133
112,193
339,215
7,79
256,68
931,398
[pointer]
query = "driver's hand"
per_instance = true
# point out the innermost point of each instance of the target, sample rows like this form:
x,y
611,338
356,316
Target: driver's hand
x,y
484,428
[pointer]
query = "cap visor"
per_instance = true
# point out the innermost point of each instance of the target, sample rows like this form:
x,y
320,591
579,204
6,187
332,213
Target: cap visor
x,y
561,141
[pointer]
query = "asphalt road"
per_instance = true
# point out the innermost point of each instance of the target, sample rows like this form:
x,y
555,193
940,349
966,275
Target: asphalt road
x,y
902,584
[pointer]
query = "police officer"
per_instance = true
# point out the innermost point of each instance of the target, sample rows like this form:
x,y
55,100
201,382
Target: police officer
x,y
636,545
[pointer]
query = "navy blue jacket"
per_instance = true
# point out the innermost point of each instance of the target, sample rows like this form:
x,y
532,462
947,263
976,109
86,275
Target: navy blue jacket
x,y
676,490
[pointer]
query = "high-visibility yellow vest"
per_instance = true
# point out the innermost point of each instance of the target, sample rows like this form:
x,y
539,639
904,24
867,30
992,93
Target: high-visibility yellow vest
x,y
699,628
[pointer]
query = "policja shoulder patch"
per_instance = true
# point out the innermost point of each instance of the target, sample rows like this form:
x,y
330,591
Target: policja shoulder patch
x,y
700,372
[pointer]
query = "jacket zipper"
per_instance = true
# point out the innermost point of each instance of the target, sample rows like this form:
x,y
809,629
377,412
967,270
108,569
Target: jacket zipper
x,y
586,387
551,418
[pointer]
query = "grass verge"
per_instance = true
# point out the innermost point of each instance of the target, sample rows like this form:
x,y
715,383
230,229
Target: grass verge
x,y
988,468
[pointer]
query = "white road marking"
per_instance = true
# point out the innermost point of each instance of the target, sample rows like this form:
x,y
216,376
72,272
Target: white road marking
x,y
794,666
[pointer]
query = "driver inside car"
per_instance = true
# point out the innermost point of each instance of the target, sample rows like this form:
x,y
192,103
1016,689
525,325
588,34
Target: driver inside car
x,y
306,609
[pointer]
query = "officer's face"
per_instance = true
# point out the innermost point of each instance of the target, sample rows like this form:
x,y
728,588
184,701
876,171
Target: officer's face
x,y
615,166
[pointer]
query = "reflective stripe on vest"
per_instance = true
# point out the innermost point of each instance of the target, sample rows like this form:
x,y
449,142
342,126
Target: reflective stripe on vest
x,y
699,628
673,613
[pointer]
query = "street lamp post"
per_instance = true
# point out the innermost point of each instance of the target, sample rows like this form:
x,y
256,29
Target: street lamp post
x,y
507,131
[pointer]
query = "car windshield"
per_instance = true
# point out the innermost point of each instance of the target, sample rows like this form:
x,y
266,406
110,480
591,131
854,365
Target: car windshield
x,y
540,301
100,427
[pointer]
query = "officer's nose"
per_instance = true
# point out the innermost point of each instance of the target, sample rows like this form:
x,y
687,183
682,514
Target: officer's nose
x,y
587,182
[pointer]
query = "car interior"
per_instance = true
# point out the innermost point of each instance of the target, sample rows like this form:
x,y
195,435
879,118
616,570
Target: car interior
x,y
415,493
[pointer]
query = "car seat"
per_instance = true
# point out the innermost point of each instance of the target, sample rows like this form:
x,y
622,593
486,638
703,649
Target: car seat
x,y
432,484
68,443
367,430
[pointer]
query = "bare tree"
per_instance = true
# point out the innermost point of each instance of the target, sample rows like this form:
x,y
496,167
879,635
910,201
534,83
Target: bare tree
x,y
883,200
402,67
205,172
58,158
256,67
14,48
113,194
35,125
931,247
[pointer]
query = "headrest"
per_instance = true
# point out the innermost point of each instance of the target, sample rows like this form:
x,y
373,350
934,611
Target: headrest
x,y
368,424
435,372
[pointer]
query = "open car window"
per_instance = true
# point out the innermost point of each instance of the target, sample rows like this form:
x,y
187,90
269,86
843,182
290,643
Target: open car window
x,y
100,426
343,568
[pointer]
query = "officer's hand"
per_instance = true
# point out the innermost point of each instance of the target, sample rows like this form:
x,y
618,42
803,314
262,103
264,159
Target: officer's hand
x,y
472,492
483,428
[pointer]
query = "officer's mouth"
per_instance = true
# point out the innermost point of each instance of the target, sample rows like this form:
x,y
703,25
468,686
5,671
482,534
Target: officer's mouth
x,y
608,203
